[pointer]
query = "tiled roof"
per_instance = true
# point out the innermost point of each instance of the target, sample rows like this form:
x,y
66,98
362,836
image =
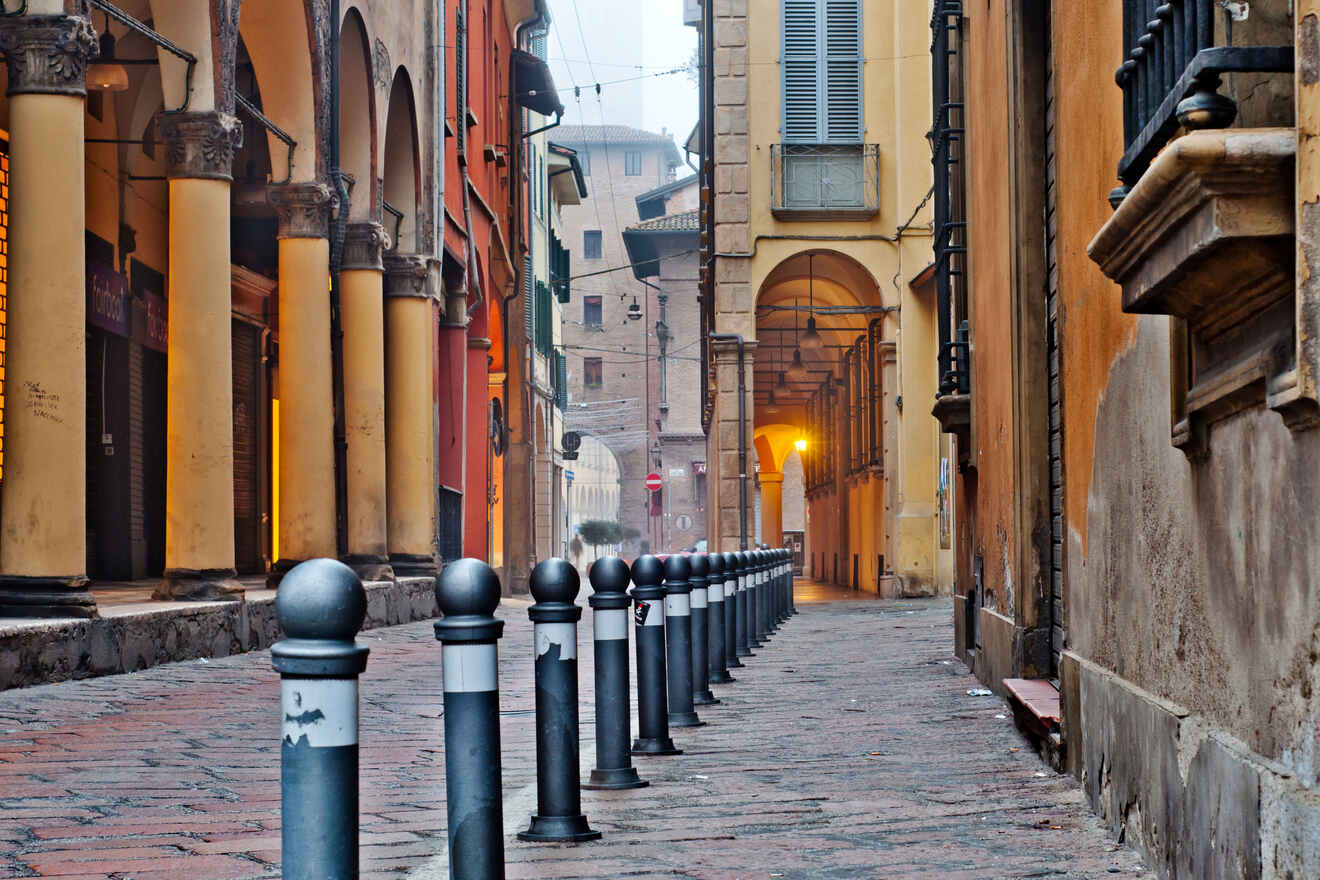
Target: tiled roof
x,y
608,134
687,221
667,188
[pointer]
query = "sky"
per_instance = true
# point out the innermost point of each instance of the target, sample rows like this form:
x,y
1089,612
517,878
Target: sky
x,y
604,41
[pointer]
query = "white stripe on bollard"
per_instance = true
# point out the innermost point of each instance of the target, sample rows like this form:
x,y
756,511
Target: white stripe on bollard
x,y
677,605
324,710
469,668
611,624
698,597
562,634
654,614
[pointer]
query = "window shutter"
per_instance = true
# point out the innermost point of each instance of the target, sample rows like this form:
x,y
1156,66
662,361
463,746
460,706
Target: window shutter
x,y
843,71
460,82
822,71
801,72
529,304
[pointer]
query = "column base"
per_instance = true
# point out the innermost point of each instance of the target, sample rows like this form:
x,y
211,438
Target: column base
x,y
721,677
614,778
199,585
704,699
655,745
23,596
559,828
685,719
369,567
414,565
277,572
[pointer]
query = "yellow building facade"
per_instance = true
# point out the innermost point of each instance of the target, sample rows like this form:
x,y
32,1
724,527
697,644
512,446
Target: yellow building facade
x,y
816,283
207,212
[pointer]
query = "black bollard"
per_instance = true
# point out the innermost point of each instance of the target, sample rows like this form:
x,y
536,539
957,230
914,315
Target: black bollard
x,y
678,642
767,594
731,611
554,585
649,631
467,593
699,565
779,589
716,663
755,600
320,606
744,645
609,579
776,589
787,609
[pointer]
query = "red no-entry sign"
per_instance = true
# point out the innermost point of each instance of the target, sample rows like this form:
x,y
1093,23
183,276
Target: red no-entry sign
x,y
653,481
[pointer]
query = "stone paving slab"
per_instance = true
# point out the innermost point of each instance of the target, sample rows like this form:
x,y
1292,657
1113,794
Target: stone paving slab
x,y
848,748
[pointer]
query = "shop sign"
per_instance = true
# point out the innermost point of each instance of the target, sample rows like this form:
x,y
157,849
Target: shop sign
x,y
699,468
158,322
107,300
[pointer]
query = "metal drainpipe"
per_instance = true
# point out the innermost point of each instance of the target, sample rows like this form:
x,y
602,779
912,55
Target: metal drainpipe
x,y
742,436
338,231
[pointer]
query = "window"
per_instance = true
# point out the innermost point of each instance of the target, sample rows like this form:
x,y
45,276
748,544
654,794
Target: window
x,y
592,373
632,163
822,71
591,244
592,311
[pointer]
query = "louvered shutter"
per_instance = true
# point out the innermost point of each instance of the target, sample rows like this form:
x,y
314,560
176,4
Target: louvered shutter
x,y
843,71
822,71
529,306
460,82
801,72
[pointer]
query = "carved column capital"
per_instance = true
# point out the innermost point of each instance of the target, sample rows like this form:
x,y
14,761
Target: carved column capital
x,y
363,245
199,144
47,54
407,275
303,209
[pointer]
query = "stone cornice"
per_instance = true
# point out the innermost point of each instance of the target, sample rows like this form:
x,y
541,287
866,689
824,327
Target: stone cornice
x,y
47,54
364,244
199,145
303,209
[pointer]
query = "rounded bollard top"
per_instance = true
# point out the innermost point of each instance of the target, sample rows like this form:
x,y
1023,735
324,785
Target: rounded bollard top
x,y
716,563
647,574
320,606
743,558
467,593
609,578
677,569
321,599
699,565
554,584
730,565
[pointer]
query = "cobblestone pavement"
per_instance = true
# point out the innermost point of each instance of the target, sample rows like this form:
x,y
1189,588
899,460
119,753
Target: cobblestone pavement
x,y
848,747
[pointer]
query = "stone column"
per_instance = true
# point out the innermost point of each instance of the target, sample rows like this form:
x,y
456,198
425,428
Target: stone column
x,y
306,453
362,305
409,438
199,436
728,526
772,508
43,547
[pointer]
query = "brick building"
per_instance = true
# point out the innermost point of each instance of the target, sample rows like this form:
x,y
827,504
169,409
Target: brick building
x,y
609,327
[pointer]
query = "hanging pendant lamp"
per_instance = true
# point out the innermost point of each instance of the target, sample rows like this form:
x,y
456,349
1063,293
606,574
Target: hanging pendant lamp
x,y
796,369
106,74
811,338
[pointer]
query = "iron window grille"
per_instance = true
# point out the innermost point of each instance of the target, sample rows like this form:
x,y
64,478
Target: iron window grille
x,y
1171,73
825,181
876,356
948,147
449,537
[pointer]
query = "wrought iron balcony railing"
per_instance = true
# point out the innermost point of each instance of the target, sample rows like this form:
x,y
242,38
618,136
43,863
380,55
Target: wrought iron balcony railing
x,y
1170,76
824,181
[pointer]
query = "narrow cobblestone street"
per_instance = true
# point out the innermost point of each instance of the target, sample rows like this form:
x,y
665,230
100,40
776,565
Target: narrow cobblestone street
x,y
848,747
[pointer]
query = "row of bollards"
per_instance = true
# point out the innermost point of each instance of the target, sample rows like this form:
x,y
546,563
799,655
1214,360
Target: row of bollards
x,y
694,615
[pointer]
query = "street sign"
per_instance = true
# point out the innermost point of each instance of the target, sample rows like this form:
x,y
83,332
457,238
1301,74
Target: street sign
x,y
653,481
568,475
